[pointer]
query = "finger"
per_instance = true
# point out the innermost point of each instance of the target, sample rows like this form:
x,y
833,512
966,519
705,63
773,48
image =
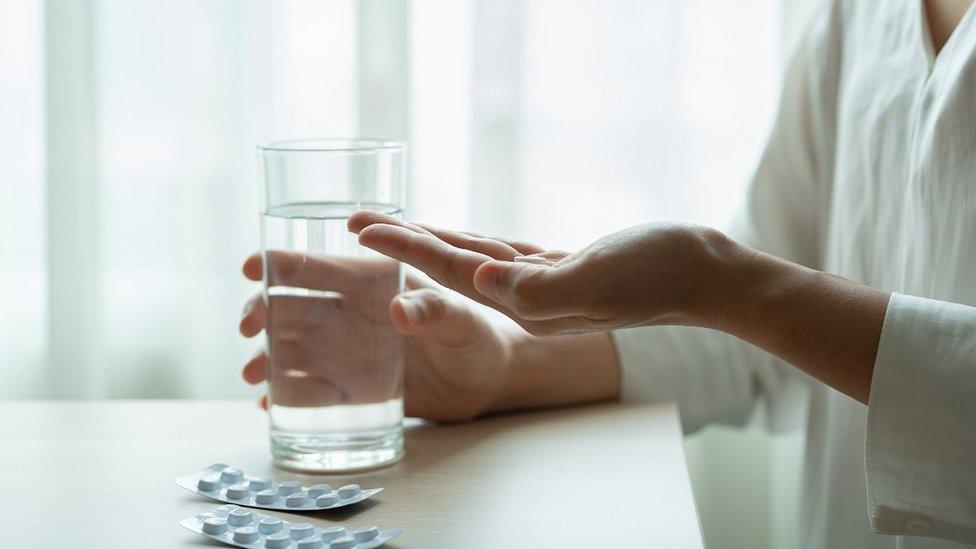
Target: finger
x,y
253,267
263,402
360,220
488,246
533,292
252,318
256,369
522,247
414,282
494,247
432,313
453,267
450,266
327,273
316,272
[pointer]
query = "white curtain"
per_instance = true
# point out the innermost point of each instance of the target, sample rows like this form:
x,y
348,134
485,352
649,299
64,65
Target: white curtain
x,y
126,156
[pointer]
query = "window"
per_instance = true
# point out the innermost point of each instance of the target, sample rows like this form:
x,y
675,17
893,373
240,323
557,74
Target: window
x,y
129,126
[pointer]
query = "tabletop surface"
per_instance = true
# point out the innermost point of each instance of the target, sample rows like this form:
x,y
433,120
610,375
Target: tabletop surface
x,y
100,474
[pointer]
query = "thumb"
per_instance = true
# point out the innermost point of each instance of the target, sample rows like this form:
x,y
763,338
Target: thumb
x,y
428,312
530,290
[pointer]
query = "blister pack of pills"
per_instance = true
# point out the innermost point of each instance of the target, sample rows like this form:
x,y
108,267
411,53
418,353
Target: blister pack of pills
x,y
241,527
231,485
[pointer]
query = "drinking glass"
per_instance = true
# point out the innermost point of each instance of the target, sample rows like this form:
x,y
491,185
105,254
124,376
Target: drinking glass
x,y
335,362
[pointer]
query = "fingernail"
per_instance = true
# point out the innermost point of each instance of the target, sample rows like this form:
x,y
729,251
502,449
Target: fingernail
x,y
489,284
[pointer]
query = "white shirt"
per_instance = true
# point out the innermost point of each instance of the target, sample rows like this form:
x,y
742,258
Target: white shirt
x,y
869,173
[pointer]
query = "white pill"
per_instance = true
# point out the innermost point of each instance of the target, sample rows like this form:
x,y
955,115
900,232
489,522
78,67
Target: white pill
x,y
534,259
209,483
240,517
327,500
278,540
270,525
248,534
237,491
231,475
333,532
297,499
349,490
301,530
343,543
366,533
289,487
310,543
215,526
265,497
257,484
318,490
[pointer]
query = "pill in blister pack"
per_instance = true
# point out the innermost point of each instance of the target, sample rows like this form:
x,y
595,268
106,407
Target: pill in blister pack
x,y
231,485
241,527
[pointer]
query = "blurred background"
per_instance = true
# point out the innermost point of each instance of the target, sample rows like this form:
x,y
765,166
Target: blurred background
x,y
127,165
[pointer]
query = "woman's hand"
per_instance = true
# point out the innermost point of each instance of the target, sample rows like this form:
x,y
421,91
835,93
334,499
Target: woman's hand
x,y
825,325
455,359
644,275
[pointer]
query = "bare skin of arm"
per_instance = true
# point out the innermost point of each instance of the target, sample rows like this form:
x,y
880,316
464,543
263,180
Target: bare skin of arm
x,y
557,371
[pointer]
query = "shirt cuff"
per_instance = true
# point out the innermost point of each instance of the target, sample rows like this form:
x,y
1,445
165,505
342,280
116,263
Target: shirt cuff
x,y
921,431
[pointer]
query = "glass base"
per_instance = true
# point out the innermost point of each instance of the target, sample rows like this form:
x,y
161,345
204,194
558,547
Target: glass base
x,y
337,453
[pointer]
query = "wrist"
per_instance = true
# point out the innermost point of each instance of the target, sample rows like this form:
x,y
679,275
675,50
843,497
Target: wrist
x,y
754,292
556,371
824,324
511,374
724,272
739,286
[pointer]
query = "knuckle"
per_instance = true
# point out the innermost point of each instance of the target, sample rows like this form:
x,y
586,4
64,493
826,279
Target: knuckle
x,y
435,304
280,268
450,269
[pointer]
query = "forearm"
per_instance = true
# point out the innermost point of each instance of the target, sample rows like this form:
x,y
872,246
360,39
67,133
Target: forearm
x,y
556,371
825,325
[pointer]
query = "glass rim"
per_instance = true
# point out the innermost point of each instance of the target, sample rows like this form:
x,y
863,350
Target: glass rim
x,y
332,145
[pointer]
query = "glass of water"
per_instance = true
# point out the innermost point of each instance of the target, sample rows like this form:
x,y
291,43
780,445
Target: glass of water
x,y
335,362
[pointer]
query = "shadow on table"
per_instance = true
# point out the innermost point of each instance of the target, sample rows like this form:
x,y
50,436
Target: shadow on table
x,y
428,443
201,541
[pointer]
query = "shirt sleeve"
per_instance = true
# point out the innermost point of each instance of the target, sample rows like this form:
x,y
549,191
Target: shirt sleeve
x,y
921,432
713,376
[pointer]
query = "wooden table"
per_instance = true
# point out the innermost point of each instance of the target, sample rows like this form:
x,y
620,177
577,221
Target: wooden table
x,y
99,474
